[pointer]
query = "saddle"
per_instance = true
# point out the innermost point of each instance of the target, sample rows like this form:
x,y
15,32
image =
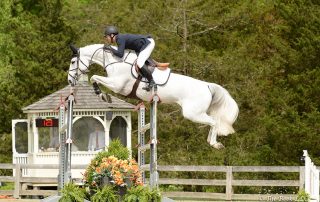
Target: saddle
x,y
151,64
160,71
162,66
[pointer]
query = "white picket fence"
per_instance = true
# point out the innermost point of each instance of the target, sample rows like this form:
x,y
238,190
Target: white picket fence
x,y
311,178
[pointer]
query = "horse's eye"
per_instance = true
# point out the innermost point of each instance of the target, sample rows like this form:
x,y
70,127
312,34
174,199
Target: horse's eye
x,y
72,62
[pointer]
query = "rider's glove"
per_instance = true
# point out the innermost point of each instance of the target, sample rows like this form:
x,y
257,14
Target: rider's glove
x,y
107,47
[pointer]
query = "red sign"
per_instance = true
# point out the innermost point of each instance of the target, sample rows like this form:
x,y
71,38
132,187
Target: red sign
x,y
47,122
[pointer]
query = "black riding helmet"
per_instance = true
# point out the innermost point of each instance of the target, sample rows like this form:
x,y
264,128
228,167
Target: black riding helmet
x,y
111,30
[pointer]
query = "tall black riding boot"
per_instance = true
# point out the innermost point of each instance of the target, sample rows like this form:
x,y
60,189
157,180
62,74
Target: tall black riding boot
x,y
148,75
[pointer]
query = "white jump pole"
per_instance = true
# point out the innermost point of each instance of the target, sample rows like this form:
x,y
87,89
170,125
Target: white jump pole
x,y
65,129
152,145
154,175
62,150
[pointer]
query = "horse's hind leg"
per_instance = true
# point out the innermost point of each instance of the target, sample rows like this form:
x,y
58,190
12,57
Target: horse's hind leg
x,y
202,117
212,139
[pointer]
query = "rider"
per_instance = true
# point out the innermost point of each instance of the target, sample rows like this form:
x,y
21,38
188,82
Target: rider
x,y
143,45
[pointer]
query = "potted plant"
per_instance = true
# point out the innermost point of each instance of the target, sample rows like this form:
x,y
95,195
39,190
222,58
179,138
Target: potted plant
x,y
93,176
112,167
111,173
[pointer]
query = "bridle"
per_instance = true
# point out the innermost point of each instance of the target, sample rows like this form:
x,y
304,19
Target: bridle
x,y
84,71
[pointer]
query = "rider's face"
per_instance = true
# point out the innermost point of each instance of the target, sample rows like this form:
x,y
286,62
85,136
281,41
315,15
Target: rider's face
x,y
108,38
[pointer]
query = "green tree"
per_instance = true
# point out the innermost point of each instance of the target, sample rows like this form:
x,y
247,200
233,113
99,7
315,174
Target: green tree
x,y
36,55
265,53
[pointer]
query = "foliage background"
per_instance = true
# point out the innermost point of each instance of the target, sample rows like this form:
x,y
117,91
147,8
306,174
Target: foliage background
x,y
265,53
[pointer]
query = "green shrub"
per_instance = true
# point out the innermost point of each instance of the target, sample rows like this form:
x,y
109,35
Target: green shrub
x,y
115,149
153,194
106,194
72,193
303,196
135,194
142,194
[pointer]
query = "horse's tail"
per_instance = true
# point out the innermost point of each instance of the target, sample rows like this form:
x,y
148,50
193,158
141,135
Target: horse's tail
x,y
223,108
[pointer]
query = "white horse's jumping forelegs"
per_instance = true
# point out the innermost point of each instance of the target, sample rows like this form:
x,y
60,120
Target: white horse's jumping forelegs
x,y
106,81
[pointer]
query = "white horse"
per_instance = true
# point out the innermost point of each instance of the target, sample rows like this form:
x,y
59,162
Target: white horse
x,y
201,102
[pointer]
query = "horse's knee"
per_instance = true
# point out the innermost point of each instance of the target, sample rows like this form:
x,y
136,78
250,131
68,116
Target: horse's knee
x,y
98,79
93,79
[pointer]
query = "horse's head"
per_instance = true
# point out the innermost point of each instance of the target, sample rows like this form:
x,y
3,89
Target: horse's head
x,y
81,59
74,65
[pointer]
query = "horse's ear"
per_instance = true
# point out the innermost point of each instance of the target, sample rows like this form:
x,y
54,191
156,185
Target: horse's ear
x,y
74,50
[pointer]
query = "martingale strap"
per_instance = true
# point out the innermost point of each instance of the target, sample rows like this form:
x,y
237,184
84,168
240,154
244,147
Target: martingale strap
x,y
133,93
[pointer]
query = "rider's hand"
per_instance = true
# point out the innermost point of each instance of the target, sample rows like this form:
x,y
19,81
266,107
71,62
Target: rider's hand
x,y
106,47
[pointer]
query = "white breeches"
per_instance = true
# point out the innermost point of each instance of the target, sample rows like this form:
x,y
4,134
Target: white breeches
x,y
145,54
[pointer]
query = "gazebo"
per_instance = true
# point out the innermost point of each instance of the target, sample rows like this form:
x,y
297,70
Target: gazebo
x,y
35,140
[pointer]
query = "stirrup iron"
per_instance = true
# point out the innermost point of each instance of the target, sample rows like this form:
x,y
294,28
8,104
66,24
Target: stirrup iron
x,y
150,85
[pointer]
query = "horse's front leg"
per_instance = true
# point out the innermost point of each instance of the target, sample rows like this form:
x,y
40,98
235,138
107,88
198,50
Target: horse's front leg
x,y
110,83
103,96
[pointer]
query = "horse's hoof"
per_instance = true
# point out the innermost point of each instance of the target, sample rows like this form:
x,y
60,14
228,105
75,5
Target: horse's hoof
x,y
109,100
103,97
218,145
96,88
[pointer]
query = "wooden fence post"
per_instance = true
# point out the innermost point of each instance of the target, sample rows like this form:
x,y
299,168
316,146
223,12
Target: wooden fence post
x,y
17,185
229,179
301,178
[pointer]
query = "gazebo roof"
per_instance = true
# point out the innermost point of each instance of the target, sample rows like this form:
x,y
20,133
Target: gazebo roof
x,y
85,98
